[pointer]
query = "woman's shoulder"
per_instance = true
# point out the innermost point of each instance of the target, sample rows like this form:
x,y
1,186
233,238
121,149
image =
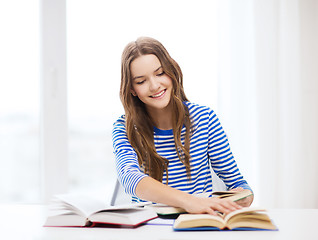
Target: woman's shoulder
x,y
195,109
120,122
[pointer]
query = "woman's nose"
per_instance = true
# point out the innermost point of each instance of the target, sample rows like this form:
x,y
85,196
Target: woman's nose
x,y
154,84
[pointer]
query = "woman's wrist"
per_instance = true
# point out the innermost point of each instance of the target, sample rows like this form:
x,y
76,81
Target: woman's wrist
x,y
184,200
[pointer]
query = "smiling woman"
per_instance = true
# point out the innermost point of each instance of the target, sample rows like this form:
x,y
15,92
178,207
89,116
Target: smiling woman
x,y
155,159
94,47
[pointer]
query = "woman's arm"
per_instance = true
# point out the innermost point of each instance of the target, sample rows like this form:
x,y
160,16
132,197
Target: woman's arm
x,y
245,202
222,160
144,187
152,190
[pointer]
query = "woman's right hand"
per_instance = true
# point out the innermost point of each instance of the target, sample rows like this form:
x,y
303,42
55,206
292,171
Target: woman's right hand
x,y
152,190
193,204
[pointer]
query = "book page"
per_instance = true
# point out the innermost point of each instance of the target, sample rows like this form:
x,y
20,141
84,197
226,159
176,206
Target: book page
x,y
232,195
81,204
257,221
85,205
243,210
199,220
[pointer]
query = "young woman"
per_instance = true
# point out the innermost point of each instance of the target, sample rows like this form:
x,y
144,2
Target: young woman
x,y
164,144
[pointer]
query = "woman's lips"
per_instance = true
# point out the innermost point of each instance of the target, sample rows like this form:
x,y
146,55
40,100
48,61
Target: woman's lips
x,y
158,95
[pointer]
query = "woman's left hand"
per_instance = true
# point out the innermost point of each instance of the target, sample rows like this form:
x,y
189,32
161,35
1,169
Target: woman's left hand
x,y
245,202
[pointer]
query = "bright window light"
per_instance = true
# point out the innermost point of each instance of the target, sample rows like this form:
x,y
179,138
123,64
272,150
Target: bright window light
x,y
19,101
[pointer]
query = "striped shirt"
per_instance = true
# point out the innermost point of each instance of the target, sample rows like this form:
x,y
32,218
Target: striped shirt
x,y
209,147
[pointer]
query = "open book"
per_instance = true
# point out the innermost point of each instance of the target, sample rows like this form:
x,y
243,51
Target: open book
x,y
242,219
83,211
164,210
232,195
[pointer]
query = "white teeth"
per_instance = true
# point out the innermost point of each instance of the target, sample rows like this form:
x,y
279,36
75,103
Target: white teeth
x,y
159,94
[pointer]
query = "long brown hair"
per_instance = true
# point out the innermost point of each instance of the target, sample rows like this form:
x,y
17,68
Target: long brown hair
x,y
139,126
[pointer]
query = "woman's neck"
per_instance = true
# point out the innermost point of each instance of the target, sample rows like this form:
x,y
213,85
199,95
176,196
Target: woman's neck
x,y
162,118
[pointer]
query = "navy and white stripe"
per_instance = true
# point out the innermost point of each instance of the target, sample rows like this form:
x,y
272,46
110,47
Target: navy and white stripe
x,y
209,144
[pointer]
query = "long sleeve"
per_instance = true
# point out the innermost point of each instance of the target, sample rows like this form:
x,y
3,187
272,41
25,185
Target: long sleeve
x,y
221,157
128,170
208,146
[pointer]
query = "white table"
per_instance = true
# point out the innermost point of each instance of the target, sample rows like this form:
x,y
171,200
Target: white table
x,y
25,222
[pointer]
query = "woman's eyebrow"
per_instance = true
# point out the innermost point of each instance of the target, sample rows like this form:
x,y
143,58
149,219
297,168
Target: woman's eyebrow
x,y
157,69
134,78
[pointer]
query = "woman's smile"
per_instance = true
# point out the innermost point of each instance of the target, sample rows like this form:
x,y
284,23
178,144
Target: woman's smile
x,y
159,95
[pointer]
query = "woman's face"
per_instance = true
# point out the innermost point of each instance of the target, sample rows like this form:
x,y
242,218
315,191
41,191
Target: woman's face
x,y
150,83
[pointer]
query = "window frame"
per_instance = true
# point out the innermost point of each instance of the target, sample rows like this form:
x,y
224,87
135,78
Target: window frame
x,y
53,99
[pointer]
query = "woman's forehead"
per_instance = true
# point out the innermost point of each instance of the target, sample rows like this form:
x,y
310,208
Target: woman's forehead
x,y
145,64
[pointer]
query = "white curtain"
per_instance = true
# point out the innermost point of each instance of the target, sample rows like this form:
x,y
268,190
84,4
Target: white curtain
x,y
268,96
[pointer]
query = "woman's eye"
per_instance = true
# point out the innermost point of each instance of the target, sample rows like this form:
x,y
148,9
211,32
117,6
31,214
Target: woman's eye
x,y
141,82
160,74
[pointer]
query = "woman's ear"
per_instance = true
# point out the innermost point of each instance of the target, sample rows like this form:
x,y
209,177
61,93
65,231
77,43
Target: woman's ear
x,y
133,92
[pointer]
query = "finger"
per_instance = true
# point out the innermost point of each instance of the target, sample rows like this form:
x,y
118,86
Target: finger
x,y
231,205
220,208
224,207
211,211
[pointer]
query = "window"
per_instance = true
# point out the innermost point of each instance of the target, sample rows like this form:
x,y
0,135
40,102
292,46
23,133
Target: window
x,y
19,101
